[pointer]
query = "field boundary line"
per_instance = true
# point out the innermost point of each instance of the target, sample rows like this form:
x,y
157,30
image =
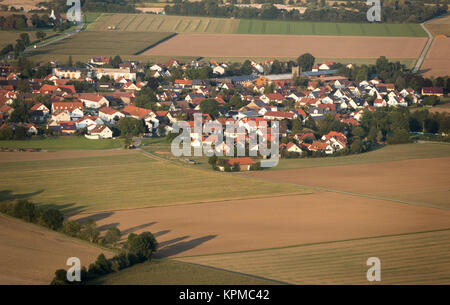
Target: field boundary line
x,y
234,272
316,243
156,43
264,196
428,205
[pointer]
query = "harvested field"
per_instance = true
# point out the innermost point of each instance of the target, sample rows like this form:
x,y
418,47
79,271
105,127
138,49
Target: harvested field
x,y
238,225
417,258
437,61
159,23
234,45
90,43
124,181
171,272
439,26
195,24
424,181
30,254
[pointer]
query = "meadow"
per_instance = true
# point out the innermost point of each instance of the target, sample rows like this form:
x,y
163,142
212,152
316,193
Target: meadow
x,y
123,181
415,258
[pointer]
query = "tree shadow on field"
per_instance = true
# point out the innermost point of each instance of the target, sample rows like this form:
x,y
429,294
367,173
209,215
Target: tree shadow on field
x,y
96,217
158,234
67,209
7,195
181,246
136,228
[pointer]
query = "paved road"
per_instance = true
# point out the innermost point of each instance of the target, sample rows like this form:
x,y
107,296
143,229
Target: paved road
x,y
425,50
67,35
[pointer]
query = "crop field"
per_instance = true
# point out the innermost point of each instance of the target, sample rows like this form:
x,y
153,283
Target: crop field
x,y
439,26
276,221
383,154
188,24
158,23
86,44
416,258
422,182
170,272
124,181
241,45
327,28
63,143
437,61
30,254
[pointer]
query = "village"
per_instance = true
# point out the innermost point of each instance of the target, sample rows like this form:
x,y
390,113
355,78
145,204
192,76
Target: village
x,y
55,107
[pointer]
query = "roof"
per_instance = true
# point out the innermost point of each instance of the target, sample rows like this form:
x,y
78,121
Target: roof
x,y
274,96
136,111
287,115
433,90
241,161
91,97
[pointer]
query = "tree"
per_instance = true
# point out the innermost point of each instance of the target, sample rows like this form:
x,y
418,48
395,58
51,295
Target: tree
x,y
25,38
306,61
213,161
142,245
112,236
25,210
60,278
247,68
90,231
72,228
146,99
210,106
52,218
356,147
40,35
236,102
130,127
70,61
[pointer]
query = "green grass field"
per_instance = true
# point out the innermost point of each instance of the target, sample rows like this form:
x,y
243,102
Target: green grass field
x,y
325,28
170,272
124,181
415,258
63,143
384,154
187,24
86,44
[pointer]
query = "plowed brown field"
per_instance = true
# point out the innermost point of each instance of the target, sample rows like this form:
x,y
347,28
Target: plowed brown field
x,y
238,225
424,181
240,45
437,62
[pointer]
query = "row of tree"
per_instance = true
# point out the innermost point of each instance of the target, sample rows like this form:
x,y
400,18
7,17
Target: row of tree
x,y
395,11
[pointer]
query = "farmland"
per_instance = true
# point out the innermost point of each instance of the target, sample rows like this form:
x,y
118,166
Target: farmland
x,y
86,44
437,61
63,143
419,181
416,258
30,254
276,221
383,154
124,181
328,28
185,24
240,45
170,272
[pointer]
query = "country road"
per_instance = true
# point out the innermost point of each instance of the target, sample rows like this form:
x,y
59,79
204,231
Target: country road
x,y
67,35
425,49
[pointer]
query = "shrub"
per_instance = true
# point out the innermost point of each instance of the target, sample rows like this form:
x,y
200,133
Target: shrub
x,y
52,218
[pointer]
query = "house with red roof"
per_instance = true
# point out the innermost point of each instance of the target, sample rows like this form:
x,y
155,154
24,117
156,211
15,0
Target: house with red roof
x,y
272,98
244,163
93,100
110,115
437,91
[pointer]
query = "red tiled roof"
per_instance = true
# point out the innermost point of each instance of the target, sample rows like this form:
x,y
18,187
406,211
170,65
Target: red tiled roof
x,y
241,161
